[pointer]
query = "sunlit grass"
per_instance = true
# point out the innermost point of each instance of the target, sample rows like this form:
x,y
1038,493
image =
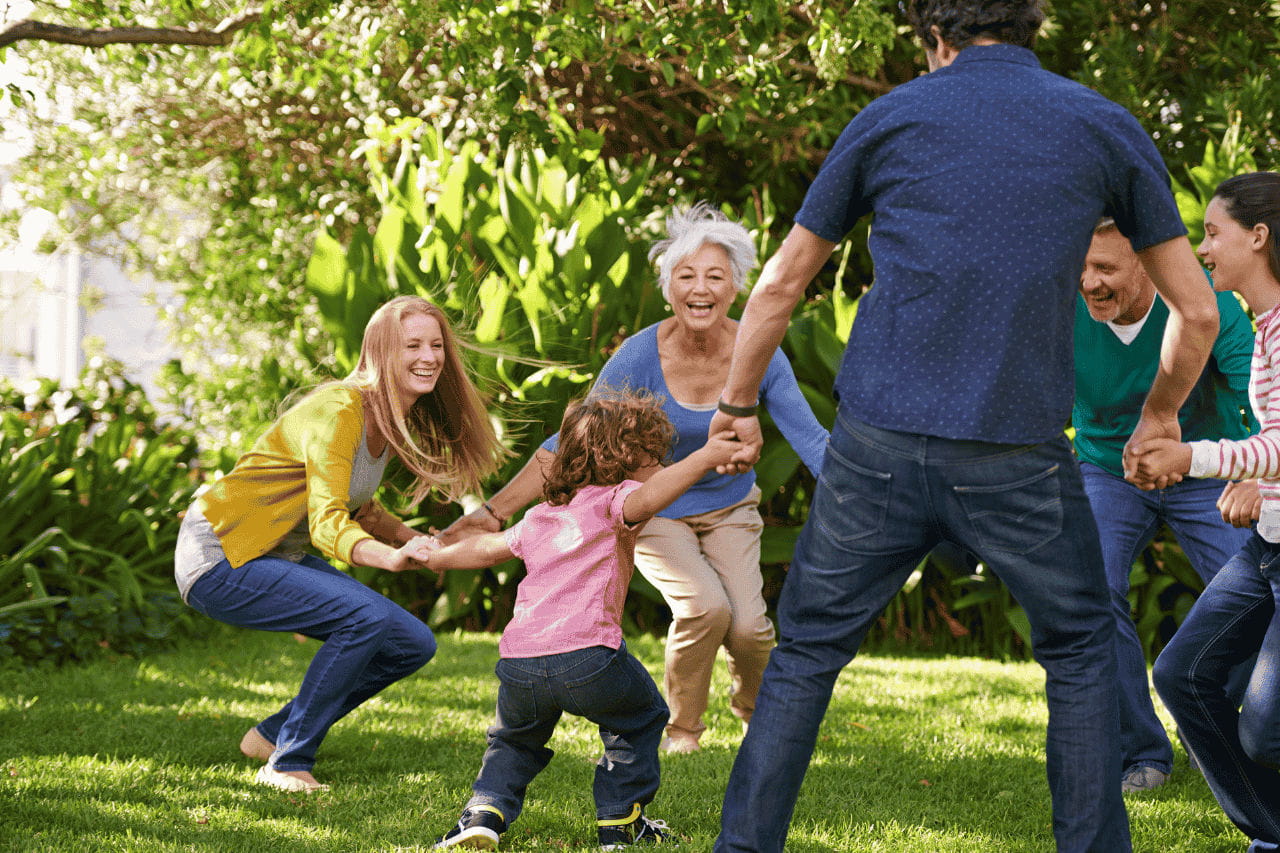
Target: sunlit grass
x,y
916,755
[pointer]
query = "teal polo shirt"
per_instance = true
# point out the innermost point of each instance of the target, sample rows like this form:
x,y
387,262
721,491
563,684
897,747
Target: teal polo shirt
x,y
1113,378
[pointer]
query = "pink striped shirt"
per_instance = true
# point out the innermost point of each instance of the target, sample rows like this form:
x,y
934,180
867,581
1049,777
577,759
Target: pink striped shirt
x,y
1258,455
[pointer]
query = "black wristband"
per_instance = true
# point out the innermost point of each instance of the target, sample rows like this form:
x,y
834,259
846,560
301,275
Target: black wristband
x,y
738,411
491,512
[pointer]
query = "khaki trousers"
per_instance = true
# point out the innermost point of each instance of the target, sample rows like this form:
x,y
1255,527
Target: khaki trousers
x,y
707,567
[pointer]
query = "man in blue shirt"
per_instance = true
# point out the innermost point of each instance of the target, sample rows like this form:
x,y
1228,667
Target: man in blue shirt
x,y
985,177
1119,328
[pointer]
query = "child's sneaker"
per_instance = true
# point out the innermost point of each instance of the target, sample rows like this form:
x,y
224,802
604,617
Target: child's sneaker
x,y
477,829
619,832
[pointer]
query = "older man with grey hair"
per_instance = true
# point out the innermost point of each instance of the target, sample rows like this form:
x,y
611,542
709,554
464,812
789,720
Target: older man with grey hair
x,y
1119,330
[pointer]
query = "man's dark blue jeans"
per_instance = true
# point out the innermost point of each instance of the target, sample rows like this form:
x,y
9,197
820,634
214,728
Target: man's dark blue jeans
x,y
607,686
883,501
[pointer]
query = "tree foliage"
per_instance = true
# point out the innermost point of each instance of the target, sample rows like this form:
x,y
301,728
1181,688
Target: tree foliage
x,y
216,166
241,171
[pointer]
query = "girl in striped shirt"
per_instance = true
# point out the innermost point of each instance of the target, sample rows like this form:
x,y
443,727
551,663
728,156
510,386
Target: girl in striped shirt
x,y
1237,749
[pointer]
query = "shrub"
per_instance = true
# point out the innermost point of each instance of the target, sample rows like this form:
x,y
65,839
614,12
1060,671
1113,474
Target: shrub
x,y
94,484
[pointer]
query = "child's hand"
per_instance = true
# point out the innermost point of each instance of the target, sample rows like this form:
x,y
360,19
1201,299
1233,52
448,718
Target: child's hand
x,y
413,554
721,448
1156,458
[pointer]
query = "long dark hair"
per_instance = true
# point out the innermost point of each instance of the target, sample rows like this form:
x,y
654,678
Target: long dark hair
x,y
1254,198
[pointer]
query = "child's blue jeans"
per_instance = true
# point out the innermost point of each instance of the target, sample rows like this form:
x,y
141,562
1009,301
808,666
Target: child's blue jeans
x,y
607,686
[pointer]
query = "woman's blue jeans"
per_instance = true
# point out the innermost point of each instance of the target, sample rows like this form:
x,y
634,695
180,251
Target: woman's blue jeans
x,y
1237,750
607,686
368,641
884,500
1128,519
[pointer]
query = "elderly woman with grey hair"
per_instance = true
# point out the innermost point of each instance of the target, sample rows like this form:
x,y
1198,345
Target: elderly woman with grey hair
x,y
702,552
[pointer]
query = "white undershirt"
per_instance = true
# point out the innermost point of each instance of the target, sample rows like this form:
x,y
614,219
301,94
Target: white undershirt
x,y
1129,332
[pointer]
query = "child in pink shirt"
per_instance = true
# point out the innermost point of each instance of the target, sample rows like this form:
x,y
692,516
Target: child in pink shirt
x,y
563,649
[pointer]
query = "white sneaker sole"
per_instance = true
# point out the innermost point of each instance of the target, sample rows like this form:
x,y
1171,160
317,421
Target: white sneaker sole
x,y
475,838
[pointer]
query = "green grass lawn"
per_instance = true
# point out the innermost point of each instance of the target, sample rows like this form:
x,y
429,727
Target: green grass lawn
x,y
916,754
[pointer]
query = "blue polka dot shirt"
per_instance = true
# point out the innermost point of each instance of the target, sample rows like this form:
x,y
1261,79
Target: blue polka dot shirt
x,y
984,180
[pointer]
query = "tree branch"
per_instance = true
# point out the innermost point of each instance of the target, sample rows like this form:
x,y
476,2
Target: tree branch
x,y
39,30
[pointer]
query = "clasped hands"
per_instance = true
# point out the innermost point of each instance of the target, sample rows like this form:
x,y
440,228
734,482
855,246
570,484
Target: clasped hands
x,y
414,554
1155,458
747,432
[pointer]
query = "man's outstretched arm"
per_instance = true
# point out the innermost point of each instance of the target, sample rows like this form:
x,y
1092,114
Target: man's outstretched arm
x,y
765,319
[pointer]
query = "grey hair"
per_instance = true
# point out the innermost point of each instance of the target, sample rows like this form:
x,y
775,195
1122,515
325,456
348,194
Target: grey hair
x,y
688,229
1104,225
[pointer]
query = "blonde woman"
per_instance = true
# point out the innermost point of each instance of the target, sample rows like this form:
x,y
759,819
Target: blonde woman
x,y
244,551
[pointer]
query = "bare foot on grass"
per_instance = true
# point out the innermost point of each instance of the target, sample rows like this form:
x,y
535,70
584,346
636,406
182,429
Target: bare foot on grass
x,y
297,781
256,746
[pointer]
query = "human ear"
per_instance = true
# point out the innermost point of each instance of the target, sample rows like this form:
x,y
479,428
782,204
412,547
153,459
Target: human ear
x,y
1259,234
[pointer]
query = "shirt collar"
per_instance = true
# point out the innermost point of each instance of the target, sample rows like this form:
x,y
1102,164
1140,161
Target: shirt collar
x,y
997,53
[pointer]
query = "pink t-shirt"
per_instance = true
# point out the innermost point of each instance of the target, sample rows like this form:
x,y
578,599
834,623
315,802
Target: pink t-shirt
x,y
579,558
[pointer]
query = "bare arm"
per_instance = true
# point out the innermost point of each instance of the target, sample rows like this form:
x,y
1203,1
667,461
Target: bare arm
x,y
523,489
382,525
764,322
1188,339
476,552
667,484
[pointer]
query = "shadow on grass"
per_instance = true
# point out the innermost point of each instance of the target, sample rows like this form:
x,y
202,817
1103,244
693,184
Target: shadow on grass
x,y
142,755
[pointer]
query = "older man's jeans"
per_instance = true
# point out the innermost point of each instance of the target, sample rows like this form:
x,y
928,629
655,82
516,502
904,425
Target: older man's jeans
x,y
607,686
1127,519
1237,748
884,499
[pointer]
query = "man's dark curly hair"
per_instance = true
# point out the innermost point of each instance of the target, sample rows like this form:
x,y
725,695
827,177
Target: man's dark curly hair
x,y
1013,22
604,439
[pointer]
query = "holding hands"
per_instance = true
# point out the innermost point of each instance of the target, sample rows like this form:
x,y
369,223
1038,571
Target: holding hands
x,y
413,554
1152,458
723,449
747,447
1157,462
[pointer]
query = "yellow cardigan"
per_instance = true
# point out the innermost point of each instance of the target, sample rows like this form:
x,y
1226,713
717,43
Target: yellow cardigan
x,y
299,468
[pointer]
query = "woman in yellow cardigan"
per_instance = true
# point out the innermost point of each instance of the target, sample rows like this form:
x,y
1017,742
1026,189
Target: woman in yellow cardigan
x,y
308,484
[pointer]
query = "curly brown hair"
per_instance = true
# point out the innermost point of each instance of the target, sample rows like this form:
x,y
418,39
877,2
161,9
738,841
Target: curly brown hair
x,y
1013,22
604,438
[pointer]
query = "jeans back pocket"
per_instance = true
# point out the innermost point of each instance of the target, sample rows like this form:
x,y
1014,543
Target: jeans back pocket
x,y
1015,515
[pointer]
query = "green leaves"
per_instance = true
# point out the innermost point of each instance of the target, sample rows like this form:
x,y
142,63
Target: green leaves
x,y
1221,161
88,561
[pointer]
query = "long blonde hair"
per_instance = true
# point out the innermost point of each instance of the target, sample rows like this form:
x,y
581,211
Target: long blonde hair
x,y
447,440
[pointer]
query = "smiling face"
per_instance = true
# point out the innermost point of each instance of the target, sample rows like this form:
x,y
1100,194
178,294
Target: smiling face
x,y
702,288
1228,247
1114,284
421,357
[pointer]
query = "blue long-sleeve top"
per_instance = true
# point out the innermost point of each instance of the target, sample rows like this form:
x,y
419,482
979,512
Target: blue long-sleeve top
x,y
636,365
